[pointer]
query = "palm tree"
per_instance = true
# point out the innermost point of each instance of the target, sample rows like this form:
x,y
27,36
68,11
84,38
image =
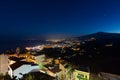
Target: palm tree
x,y
69,71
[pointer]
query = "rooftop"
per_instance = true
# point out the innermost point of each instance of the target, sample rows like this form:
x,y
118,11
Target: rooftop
x,y
20,63
16,59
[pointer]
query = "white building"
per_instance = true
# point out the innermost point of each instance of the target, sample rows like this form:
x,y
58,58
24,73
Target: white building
x,y
20,68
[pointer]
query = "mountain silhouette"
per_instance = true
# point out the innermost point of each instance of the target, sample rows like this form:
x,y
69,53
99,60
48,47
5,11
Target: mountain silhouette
x,y
101,35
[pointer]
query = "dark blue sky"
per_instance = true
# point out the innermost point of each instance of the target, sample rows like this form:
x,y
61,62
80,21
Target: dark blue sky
x,y
70,17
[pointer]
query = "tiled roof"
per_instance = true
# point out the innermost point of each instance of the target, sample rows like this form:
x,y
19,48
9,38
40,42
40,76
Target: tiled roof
x,y
15,58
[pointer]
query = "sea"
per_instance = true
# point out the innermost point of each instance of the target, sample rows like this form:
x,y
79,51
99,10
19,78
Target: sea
x,y
13,44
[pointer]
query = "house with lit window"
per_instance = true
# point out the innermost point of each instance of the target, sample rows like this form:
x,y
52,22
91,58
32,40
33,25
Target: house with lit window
x,y
82,73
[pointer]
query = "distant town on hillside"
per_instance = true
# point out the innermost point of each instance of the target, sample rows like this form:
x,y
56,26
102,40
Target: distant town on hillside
x,y
90,57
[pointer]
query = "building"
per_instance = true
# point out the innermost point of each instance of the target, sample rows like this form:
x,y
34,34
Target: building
x,y
18,69
77,73
81,75
3,64
39,58
53,70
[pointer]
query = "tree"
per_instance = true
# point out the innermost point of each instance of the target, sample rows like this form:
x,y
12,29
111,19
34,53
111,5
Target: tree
x,y
1,77
4,77
28,77
18,50
68,73
41,65
7,77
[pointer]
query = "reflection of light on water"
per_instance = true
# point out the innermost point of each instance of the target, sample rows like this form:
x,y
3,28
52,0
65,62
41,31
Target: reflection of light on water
x,y
7,44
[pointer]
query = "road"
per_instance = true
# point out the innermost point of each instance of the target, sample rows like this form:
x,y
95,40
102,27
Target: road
x,y
107,76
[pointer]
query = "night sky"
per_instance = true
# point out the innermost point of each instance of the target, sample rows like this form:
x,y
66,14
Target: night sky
x,y
69,17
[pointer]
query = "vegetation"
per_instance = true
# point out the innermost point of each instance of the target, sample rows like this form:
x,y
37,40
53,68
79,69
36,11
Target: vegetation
x,y
1,77
41,65
28,77
36,76
4,77
70,70
68,73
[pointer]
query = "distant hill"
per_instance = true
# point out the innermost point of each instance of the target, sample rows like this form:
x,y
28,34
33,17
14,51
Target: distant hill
x,y
108,58
107,43
101,35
